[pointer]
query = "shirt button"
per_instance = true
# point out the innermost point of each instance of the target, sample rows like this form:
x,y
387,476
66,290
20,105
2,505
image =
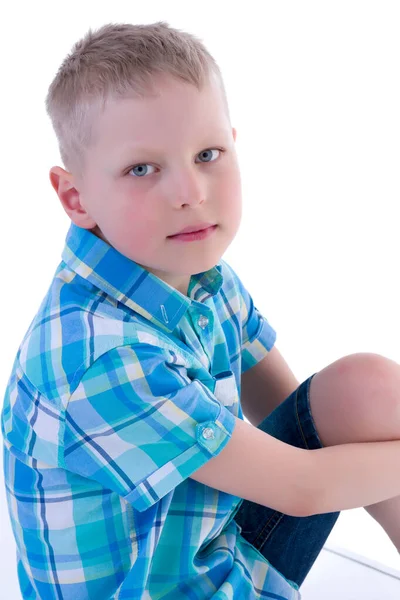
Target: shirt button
x,y
202,322
208,433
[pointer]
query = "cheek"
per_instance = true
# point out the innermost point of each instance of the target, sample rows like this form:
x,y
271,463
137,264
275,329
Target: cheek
x,y
232,180
233,195
133,228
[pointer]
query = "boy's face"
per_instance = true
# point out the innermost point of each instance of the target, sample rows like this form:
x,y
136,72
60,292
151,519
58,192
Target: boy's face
x,y
179,179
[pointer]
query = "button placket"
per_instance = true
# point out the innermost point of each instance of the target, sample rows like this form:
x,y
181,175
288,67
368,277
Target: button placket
x,y
203,321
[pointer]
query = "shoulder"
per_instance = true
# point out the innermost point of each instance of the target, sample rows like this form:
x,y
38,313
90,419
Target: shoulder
x,y
75,325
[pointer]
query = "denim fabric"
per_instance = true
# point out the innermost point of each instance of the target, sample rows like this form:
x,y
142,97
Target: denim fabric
x,y
290,544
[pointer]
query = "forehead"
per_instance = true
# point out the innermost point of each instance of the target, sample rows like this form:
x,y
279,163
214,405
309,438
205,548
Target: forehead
x,y
172,111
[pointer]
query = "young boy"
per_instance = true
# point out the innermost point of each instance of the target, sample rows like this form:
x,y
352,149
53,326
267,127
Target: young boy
x,y
130,471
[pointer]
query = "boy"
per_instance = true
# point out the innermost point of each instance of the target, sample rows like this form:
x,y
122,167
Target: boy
x,y
130,470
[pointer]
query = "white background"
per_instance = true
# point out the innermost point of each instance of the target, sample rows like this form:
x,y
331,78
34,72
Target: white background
x,y
314,94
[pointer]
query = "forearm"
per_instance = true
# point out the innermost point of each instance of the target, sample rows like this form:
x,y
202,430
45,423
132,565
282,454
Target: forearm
x,y
353,475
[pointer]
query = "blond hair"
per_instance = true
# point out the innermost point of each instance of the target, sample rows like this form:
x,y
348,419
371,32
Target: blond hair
x,y
117,61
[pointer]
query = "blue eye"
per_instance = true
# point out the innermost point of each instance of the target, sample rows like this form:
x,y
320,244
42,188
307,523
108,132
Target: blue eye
x,y
141,167
208,150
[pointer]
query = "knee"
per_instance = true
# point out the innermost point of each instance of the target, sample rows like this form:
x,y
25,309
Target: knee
x,y
364,377
367,365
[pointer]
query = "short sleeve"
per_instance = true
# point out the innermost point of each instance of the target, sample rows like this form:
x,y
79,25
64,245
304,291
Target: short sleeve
x,y
258,336
139,425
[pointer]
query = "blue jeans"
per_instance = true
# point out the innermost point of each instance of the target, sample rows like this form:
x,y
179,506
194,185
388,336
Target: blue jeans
x,y
290,544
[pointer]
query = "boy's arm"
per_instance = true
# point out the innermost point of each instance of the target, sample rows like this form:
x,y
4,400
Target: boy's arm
x,y
265,386
257,467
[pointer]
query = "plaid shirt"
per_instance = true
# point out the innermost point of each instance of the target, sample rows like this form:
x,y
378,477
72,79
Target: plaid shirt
x,y
123,387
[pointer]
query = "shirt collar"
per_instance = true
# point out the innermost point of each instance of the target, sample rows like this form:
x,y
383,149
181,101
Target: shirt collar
x,y
126,281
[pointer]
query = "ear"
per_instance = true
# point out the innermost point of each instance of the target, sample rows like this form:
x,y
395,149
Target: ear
x,y
234,132
70,197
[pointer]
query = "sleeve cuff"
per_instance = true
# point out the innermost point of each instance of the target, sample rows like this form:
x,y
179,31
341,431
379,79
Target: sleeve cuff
x,y
254,350
211,438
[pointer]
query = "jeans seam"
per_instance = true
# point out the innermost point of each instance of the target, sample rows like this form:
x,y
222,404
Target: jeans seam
x,y
298,419
310,413
310,416
260,534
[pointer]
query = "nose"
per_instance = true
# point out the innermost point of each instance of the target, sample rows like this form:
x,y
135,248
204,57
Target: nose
x,y
187,187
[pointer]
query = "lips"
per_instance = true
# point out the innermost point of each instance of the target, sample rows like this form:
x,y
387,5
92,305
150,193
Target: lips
x,y
193,228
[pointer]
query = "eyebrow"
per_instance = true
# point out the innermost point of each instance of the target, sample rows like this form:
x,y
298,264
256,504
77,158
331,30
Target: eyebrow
x,y
140,150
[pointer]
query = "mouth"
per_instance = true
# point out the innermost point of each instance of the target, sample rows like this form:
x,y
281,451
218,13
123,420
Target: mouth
x,y
193,229
194,235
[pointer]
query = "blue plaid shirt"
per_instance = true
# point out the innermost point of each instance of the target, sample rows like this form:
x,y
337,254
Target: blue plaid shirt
x,y
123,387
